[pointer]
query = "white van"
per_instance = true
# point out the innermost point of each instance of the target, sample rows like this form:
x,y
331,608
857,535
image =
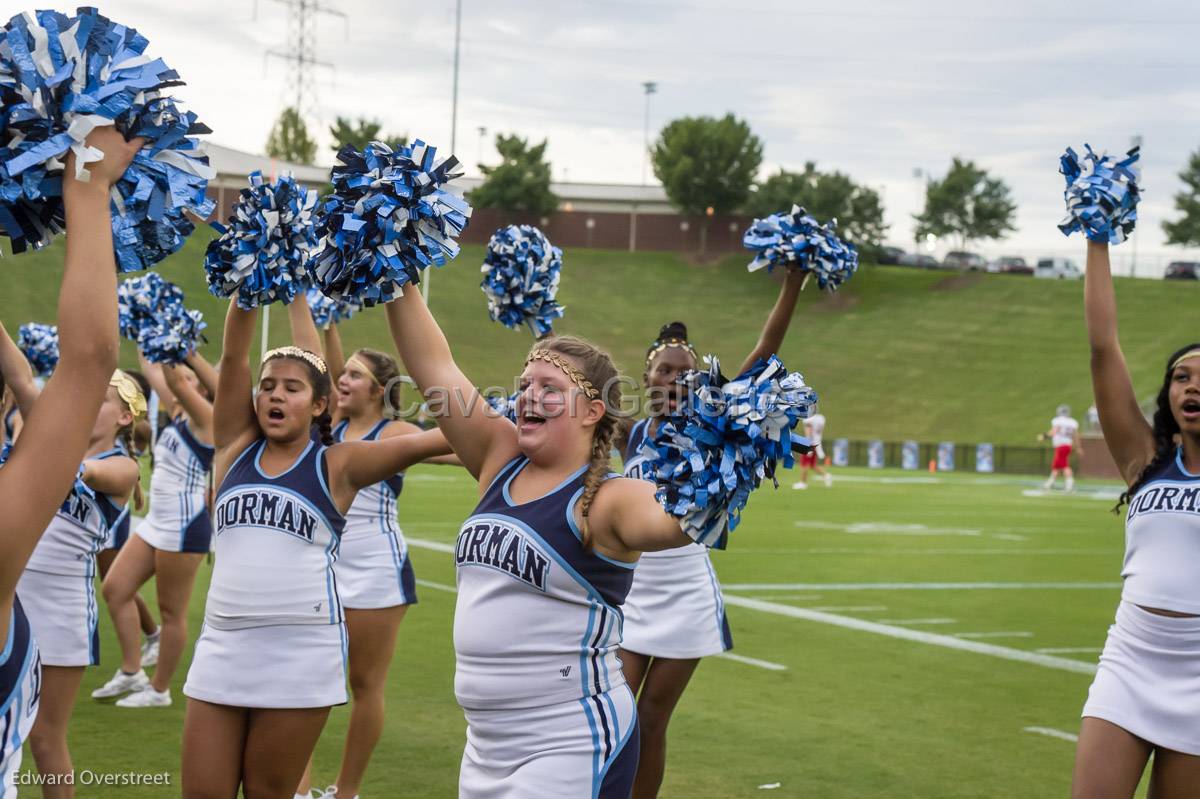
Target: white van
x,y
1061,268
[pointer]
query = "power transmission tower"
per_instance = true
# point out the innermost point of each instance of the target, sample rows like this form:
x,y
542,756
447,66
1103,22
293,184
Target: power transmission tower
x,y
301,50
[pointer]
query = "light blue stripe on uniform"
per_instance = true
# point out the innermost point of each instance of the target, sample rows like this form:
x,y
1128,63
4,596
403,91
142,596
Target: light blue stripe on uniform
x,y
587,707
598,780
712,579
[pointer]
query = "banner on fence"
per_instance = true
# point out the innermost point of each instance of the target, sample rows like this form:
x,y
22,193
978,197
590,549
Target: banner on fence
x,y
875,454
985,458
945,458
910,456
841,452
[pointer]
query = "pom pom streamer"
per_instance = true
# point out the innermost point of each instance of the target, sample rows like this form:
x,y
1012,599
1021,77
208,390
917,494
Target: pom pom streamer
x,y
390,216
60,78
326,312
723,441
40,344
797,241
150,311
521,271
262,255
1102,194
504,406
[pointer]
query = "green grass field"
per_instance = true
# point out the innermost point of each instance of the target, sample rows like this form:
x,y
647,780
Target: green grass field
x,y
852,712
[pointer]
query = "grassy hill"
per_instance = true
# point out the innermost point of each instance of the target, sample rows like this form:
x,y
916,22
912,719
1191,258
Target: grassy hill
x,y
898,353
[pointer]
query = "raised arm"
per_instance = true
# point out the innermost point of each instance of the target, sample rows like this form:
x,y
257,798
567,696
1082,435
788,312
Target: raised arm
x,y
17,373
112,476
625,518
354,465
304,329
1126,431
154,376
233,406
205,372
483,441
778,321
335,356
199,410
46,457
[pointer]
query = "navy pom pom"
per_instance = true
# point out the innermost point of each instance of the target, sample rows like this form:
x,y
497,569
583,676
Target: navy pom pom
x,y
521,271
40,344
390,216
796,240
723,441
326,312
150,311
62,76
504,406
1102,194
262,255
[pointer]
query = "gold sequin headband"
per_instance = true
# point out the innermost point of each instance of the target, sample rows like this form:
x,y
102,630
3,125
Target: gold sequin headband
x,y
663,344
362,367
313,360
129,392
568,368
1186,356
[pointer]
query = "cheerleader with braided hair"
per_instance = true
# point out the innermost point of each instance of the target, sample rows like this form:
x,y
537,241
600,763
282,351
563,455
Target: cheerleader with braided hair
x,y
1143,700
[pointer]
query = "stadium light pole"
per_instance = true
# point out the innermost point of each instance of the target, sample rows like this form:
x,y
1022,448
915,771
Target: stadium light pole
x,y
453,115
649,87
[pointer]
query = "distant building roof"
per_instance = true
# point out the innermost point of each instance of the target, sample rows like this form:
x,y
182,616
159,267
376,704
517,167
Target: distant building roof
x,y
233,166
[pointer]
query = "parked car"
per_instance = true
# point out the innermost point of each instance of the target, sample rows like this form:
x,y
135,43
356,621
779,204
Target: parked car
x,y
890,255
1182,270
919,259
960,259
1014,265
1060,268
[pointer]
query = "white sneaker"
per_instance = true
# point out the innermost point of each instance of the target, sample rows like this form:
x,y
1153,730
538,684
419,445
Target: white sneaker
x,y
828,480
147,697
150,651
800,485
121,683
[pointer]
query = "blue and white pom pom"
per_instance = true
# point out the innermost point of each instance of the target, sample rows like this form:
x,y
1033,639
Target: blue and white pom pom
x,y
504,406
150,311
62,76
326,312
521,271
723,441
390,216
40,344
262,255
1102,194
796,240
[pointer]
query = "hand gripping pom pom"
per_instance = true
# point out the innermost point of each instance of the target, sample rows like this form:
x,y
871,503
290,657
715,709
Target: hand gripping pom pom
x,y
61,77
40,344
390,216
262,255
723,440
1102,194
521,271
150,311
326,312
796,240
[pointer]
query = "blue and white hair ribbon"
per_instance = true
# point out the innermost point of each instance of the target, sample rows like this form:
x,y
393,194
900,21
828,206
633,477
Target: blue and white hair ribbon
x,y
1102,194
521,273
723,440
390,216
60,78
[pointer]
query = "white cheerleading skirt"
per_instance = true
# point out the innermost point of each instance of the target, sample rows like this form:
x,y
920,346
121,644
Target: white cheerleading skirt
x,y
277,666
1148,681
580,749
169,530
674,608
63,617
373,571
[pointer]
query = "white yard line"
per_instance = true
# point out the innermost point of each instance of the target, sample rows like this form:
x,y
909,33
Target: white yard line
x,y
436,546
927,551
1063,650
438,586
762,664
792,597
1053,733
848,608
918,636
916,621
913,586
997,634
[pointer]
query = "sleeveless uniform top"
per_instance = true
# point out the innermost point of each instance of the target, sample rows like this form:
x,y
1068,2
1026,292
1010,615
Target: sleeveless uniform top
x,y
1162,541
181,467
20,688
538,619
275,541
374,508
78,530
635,467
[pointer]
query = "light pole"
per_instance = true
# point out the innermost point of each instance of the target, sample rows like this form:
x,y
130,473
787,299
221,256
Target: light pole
x,y
453,114
482,133
649,87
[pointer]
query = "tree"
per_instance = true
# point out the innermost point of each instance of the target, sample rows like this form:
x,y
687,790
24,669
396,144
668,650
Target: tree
x,y
361,132
967,204
520,182
289,139
707,165
826,195
1186,229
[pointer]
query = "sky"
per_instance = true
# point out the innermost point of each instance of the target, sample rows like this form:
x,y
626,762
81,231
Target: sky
x,y
877,90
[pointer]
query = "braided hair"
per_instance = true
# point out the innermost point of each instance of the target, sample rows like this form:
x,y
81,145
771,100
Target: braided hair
x,y
319,380
1164,428
598,368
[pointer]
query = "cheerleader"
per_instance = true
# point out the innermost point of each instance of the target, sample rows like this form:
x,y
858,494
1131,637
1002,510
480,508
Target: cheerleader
x,y
543,566
675,614
171,541
270,660
1144,700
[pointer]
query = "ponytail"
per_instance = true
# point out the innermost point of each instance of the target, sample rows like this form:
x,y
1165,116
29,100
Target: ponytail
x,y
324,424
